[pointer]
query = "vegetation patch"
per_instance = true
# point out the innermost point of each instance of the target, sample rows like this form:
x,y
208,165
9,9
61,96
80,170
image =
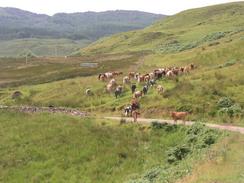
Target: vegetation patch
x,y
180,157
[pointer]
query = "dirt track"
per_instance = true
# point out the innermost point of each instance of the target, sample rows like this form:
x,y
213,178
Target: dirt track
x,y
148,121
75,112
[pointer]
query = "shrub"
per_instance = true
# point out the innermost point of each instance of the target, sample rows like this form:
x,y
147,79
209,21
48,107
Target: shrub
x,y
167,127
177,153
225,102
231,111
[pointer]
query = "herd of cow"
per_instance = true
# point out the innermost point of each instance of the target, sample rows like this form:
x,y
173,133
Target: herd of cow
x,y
147,80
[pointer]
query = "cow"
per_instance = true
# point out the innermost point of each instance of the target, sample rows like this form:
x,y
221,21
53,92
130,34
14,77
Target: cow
x,y
135,115
136,76
170,74
160,89
133,88
118,91
145,89
140,79
146,77
126,80
102,77
192,66
112,82
132,75
109,75
116,73
179,116
128,111
138,94
152,76
152,82
187,70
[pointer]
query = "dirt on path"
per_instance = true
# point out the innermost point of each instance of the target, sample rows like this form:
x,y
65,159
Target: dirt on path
x,y
188,123
75,112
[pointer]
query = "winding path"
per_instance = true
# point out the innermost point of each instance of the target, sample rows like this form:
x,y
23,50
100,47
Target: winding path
x,y
75,112
148,121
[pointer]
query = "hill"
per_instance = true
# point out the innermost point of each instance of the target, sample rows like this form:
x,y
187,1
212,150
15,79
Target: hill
x,y
55,148
17,25
218,55
183,31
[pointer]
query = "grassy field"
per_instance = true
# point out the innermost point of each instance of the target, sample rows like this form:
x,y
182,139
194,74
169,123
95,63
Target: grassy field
x,y
15,71
224,163
58,148
217,52
218,76
40,47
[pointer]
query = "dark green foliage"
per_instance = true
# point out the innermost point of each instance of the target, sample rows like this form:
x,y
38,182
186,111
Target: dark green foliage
x,y
165,126
225,102
214,36
227,106
198,137
178,153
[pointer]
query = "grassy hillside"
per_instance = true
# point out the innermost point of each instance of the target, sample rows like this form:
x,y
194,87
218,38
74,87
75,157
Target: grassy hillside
x,y
40,47
224,163
18,24
183,31
15,71
42,33
218,77
59,148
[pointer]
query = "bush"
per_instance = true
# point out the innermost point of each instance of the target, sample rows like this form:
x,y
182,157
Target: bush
x,y
225,102
177,153
167,127
231,111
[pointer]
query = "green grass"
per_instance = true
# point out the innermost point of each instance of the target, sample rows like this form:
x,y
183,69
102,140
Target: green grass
x,y
198,92
59,148
15,71
224,163
45,147
189,37
183,31
40,47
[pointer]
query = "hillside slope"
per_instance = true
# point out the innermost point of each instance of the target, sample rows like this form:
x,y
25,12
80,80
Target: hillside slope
x,y
218,78
23,31
183,31
16,23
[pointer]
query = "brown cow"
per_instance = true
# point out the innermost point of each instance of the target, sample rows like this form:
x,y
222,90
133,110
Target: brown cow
x,y
126,80
140,79
138,94
132,75
116,73
179,116
160,89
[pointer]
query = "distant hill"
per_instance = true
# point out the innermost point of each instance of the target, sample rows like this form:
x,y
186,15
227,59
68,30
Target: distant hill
x,y
183,31
22,31
19,24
